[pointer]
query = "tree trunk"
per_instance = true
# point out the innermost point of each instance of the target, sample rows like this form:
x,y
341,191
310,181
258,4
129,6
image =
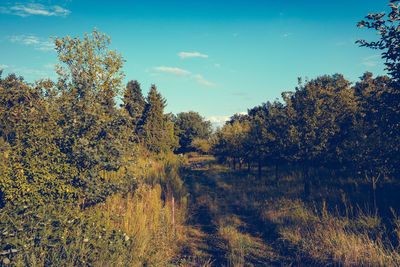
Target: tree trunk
x,y
307,182
248,166
374,195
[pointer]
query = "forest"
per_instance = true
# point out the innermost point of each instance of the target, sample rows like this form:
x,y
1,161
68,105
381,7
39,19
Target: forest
x,y
94,173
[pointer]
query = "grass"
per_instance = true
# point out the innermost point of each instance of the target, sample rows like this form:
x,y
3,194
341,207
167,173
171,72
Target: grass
x,y
236,219
140,227
324,238
259,222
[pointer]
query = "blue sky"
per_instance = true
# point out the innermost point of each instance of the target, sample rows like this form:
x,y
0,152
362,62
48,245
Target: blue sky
x,y
214,57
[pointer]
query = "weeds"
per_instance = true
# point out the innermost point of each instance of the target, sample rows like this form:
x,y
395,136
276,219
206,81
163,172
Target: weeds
x,y
324,238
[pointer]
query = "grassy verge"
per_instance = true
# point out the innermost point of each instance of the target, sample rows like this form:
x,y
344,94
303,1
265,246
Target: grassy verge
x,y
141,227
325,238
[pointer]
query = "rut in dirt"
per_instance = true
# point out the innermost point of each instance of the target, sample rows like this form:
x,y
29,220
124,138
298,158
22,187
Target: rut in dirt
x,y
230,232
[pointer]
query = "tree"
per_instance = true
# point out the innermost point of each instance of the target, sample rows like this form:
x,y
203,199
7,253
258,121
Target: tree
x,y
388,27
157,131
192,126
33,167
90,76
372,147
318,106
254,141
201,145
134,102
228,142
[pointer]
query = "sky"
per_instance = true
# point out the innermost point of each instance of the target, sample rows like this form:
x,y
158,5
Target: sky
x,y
214,57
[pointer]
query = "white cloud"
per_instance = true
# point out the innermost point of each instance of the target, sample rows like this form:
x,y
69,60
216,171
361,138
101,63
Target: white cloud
x,y
217,65
376,56
285,35
27,72
184,73
49,66
25,10
206,83
200,79
191,54
371,61
32,40
176,71
3,66
219,119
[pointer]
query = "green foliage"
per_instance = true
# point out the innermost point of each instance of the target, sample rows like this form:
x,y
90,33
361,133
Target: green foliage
x,y
34,169
157,131
201,145
134,230
388,28
90,71
92,130
319,106
375,146
191,126
228,142
134,102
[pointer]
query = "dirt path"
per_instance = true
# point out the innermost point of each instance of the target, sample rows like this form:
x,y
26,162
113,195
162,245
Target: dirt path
x,y
228,229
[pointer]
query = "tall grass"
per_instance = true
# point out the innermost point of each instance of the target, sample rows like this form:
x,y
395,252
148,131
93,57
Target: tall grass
x,y
325,238
140,227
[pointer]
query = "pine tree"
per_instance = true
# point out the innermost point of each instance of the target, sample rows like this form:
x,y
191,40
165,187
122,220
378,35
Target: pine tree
x,y
156,131
134,102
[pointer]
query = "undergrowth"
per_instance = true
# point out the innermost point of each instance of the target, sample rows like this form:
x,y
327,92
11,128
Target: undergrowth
x,y
143,226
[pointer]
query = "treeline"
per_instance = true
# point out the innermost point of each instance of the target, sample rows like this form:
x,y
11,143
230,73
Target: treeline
x,y
66,140
327,122
86,180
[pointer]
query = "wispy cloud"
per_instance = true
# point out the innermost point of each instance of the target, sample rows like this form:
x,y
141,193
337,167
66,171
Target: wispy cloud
x,y
32,40
240,94
185,73
371,61
176,71
217,65
285,35
24,71
200,79
49,66
373,57
191,54
31,9
3,66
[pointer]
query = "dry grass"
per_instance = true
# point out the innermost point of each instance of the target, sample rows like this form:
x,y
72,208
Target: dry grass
x,y
242,249
148,222
325,238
